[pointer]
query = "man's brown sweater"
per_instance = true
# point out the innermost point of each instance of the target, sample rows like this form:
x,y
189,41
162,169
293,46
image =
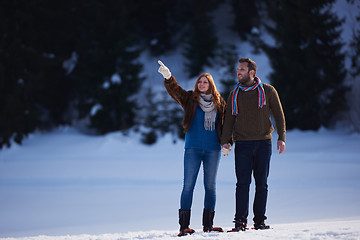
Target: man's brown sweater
x,y
253,123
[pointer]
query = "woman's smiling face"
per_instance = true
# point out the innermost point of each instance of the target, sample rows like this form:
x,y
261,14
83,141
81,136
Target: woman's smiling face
x,y
203,85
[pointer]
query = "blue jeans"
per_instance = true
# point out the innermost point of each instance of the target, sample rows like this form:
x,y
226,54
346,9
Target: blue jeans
x,y
252,157
192,161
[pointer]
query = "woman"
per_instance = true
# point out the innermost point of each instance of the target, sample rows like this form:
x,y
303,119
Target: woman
x,y
203,118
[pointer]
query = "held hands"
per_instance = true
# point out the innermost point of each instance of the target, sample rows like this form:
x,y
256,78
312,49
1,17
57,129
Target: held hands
x,y
164,70
225,149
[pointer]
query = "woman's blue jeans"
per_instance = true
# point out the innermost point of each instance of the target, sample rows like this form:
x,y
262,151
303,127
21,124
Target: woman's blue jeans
x,y
252,157
192,160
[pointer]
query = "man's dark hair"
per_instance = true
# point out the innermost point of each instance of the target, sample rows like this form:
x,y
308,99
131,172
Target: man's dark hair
x,y
251,64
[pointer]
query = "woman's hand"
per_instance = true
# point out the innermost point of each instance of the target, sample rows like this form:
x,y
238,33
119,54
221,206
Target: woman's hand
x,y
164,70
225,149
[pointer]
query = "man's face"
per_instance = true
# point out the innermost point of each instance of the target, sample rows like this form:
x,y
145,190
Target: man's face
x,y
243,74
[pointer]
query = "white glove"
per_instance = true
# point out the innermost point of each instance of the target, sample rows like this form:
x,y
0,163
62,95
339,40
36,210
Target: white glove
x,y
225,151
164,70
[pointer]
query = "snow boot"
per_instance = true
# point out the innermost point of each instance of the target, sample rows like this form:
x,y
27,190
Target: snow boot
x,y
186,232
208,219
261,226
184,221
239,226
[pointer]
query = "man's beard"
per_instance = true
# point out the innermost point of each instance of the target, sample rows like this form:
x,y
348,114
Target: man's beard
x,y
245,80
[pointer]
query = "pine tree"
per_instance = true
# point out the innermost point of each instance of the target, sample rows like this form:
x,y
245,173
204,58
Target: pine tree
x,y
38,85
307,62
354,96
227,60
170,116
160,23
201,41
34,42
148,117
159,114
107,50
355,47
246,17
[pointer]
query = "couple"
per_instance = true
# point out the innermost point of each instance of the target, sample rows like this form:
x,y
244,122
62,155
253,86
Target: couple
x,y
211,124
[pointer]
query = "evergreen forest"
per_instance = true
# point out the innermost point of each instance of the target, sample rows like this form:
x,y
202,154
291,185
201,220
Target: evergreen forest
x,y
67,62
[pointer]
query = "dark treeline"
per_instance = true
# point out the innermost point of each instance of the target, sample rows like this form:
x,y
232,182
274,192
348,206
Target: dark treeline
x,y
63,61
307,61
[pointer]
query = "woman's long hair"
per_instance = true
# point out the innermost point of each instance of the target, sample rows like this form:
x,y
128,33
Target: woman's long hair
x,y
212,90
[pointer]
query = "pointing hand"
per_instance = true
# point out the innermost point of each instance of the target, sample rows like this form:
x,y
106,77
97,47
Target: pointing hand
x,y
164,70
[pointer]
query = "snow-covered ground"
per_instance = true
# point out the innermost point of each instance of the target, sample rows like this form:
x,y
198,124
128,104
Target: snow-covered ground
x,y
348,230
66,185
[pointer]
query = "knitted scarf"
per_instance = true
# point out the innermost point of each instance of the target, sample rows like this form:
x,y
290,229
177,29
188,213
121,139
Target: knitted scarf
x,y
207,105
261,99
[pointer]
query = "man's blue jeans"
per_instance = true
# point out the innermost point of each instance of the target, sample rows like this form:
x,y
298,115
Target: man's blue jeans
x,y
252,157
192,161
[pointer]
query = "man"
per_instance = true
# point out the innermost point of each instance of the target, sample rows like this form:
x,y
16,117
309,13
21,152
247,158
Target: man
x,y
248,121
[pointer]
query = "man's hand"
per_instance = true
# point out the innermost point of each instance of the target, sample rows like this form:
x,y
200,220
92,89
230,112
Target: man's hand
x,y
164,70
225,149
281,146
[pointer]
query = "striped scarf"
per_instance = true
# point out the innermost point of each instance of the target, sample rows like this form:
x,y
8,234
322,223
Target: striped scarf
x,y
260,88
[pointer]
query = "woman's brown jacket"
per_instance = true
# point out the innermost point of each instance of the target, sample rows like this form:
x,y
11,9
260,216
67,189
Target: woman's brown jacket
x,y
187,101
